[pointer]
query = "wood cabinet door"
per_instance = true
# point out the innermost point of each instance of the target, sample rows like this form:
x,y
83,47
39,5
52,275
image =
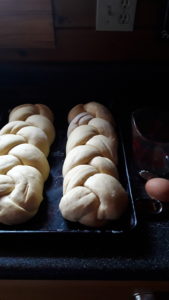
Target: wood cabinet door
x,y
26,24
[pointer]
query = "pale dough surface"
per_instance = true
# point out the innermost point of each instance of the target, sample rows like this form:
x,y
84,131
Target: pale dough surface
x,y
92,192
24,146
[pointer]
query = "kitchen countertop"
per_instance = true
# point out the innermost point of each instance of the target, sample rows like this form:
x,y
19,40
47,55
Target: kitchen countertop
x,y
142,255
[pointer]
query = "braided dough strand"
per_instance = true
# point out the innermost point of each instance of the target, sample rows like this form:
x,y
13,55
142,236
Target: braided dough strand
x,y
92,193
24,145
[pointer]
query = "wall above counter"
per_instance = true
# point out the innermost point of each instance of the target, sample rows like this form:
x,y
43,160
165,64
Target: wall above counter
x,y
60,31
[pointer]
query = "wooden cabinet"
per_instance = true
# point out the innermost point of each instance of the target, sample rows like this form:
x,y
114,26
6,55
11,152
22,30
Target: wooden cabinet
x,y
26,24
64,30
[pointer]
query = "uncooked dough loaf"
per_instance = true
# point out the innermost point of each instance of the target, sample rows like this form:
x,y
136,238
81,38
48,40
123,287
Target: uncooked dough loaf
x,y
92,193
24,145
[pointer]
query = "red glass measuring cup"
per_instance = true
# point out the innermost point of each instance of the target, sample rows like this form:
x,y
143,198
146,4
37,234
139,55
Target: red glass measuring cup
x,y
150,140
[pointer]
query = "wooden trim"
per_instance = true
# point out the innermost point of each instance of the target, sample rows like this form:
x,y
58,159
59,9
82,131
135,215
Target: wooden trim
x,y
88,45
75,290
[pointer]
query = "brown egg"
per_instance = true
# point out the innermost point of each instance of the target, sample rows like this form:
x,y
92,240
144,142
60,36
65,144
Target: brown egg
x,y
158,188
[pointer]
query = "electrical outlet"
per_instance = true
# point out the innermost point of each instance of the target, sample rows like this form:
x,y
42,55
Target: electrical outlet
x,y
115,15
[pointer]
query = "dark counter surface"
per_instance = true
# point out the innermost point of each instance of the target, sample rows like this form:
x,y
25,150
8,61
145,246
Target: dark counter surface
x,y
142,254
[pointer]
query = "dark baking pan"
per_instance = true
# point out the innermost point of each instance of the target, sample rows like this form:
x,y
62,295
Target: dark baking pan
x,y
48,220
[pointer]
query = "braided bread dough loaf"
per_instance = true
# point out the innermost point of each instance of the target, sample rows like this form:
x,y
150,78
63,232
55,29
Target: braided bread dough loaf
x,y
24,146
92,193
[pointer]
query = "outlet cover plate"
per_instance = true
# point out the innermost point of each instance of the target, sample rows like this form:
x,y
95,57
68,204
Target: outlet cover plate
x,y
115,15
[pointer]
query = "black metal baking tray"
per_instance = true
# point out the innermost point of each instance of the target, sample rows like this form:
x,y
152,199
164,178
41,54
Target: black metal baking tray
x,y
48,220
